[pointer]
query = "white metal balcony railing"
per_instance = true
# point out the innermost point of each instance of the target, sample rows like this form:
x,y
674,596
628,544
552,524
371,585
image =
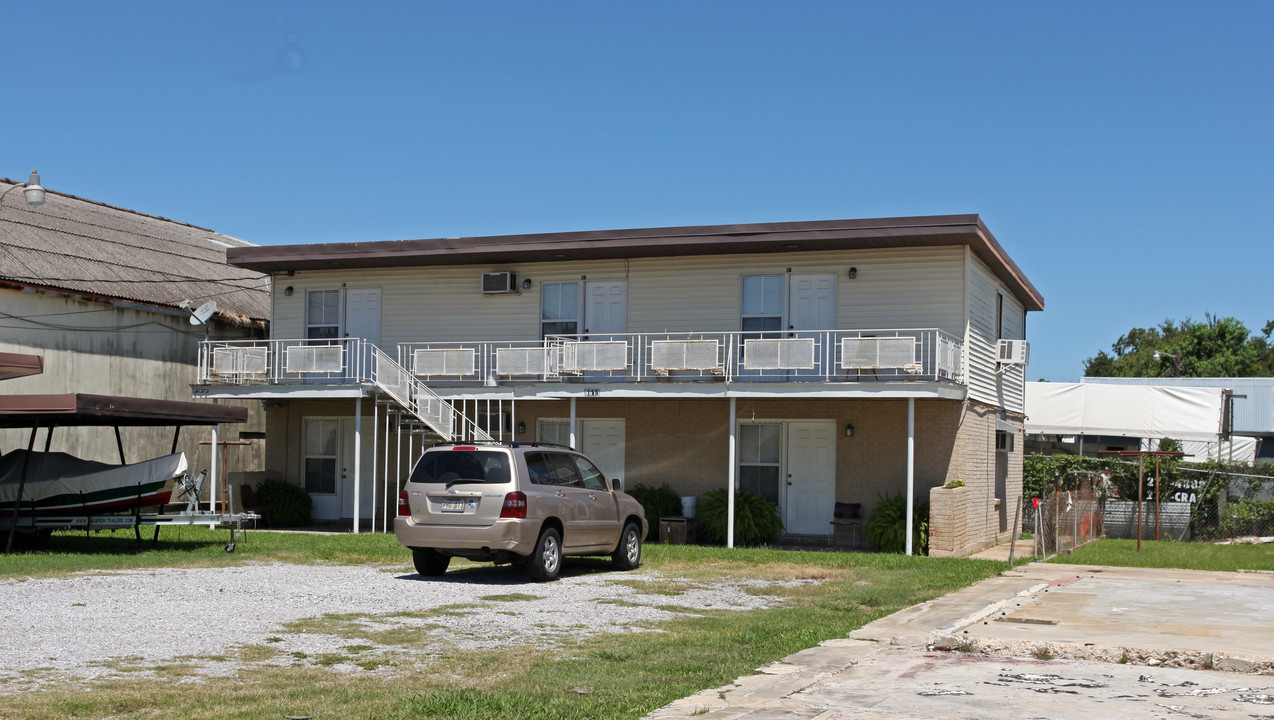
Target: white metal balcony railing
x,y
331,362
805,356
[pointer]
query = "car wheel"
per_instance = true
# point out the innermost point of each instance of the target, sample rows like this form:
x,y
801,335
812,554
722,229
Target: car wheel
x,y
546,562
628,554
430,562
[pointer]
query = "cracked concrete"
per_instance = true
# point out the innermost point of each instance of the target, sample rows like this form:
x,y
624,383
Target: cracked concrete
x,y
1043,641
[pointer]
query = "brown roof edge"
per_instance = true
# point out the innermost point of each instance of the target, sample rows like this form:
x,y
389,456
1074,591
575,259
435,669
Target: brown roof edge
x,y
16,365
1029,291
81,409
652,242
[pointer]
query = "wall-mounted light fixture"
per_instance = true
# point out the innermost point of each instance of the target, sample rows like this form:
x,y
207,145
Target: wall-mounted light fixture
x,y
288,291
853,273
849,431
526,283
521,427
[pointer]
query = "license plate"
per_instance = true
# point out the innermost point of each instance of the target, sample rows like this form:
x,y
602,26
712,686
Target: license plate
x,y
453,505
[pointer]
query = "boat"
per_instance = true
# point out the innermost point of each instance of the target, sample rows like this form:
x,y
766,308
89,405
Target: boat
x,y
64,485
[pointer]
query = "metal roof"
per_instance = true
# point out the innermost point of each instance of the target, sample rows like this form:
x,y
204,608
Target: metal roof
x,y
16,365
79,409
81,246
653,242
1253,415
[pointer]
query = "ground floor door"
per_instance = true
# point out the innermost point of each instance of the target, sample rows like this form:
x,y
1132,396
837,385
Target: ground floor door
x,y
793,465
367,499
810,491
327,468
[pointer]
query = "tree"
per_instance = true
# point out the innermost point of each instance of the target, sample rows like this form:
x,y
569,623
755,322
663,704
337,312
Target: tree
x,y
1217,347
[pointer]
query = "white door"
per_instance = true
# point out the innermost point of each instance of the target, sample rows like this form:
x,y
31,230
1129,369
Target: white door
x,y
602,440
810,489
812,306
606,310
320,466
345,470
362,320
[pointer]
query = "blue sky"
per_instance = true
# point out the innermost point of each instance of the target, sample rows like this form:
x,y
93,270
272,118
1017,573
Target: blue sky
x,y
1120,151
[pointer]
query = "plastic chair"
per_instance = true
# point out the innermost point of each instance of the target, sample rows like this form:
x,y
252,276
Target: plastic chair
x,y
848,515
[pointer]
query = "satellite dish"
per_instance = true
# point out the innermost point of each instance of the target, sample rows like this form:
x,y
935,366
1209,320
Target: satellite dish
x,y
200,315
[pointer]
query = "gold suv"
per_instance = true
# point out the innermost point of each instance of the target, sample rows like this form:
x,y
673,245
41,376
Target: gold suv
x,y
522,502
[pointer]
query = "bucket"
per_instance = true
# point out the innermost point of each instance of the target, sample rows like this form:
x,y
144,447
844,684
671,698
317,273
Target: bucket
x,y
688,506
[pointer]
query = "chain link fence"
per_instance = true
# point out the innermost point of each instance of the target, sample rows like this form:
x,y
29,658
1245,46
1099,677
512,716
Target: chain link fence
x,y
1070,514
1209,503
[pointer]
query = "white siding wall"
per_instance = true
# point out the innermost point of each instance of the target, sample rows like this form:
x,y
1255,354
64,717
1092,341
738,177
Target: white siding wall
x,y
1005,389
895,288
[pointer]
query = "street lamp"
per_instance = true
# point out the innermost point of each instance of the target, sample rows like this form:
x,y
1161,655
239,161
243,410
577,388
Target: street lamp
x,y
1176,361
31,190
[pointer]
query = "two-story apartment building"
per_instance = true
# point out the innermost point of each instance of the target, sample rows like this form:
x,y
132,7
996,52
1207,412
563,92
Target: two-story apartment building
x,y
812,362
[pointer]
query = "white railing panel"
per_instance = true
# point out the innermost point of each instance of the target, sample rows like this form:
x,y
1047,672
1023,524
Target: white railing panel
x,y
444,361
783,354
594,355
315,359
876,353
521,361
668,355
240,361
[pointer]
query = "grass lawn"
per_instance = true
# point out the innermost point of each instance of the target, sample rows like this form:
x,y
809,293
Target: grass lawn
x,y
608,676
1169,554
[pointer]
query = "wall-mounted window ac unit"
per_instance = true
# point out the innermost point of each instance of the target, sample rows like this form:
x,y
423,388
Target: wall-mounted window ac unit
x,y
500,283
1013,352
1003,441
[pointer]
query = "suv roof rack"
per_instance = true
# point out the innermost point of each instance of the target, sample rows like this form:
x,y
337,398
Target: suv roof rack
x,y
502,443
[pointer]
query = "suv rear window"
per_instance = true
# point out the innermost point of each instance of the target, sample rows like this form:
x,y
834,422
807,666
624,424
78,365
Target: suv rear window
x,y
473,466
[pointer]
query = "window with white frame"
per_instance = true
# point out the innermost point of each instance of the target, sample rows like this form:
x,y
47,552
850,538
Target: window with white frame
x,y
559,308
760,455
762,303
318,462
322,314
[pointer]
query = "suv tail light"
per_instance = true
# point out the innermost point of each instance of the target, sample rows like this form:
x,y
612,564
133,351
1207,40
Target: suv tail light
x,y
514,505
404,510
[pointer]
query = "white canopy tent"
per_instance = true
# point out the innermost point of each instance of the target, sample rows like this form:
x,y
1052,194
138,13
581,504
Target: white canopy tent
x,y
1139,411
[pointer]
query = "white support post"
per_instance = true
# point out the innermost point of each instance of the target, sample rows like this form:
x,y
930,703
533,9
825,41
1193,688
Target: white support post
x,y
358,453
730,474
375,439
398,466
212,488
911,468
384,510
573,446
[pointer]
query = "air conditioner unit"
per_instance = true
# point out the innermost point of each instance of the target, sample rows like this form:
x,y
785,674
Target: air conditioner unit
x,y
1013,352
500,283
1003,441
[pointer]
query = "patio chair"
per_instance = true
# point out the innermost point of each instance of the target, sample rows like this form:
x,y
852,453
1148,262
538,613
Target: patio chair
x,y
848,515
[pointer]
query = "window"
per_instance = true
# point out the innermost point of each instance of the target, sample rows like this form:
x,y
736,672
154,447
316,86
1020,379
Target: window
x,y
593,478
554,431
567,473
559,309
999,315
760,449
319,462
322,314
481,466
762,302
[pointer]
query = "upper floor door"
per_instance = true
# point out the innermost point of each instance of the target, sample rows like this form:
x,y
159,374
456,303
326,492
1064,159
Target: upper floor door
x,y
791,307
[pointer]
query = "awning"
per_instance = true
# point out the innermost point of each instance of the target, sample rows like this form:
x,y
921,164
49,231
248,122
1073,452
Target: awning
x,y
16,365
1140,411
80,409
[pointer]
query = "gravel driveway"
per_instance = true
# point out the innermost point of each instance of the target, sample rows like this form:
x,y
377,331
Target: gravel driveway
x,y
104,624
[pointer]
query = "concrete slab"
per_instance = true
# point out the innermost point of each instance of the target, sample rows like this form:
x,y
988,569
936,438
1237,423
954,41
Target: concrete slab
x,y
1042,641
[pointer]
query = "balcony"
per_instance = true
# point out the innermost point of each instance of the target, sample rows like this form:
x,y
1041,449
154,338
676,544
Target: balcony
x,y
823,356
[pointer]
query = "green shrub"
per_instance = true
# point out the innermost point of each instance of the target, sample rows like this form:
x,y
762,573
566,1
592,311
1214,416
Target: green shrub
x,y
756,520
887,526
286,505
1248,517
658,502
